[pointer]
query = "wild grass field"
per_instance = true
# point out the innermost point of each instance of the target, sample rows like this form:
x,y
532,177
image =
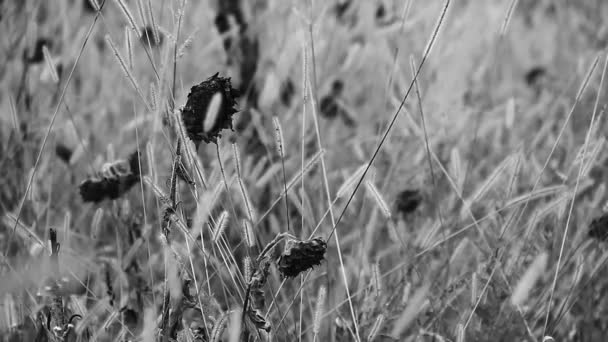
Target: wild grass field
x,y
269,170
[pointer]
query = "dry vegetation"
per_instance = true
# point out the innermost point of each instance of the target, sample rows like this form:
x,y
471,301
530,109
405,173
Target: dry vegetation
x,y
269,170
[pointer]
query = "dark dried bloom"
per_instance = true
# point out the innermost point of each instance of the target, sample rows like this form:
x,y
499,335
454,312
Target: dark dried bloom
x,y
598,229
408,201
380,12
299,256
336,88
195,111
229,12
329,106
287,92
232,7
534,75
63,152
342,7
148,37
222,23
112,182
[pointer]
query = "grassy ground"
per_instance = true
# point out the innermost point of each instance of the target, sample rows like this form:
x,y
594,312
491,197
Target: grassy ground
x,y
464,204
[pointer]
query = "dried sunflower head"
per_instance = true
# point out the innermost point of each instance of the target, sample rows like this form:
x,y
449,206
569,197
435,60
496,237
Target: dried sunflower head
x,y
114,180
195,110
598,228
63,152
408,201
299,256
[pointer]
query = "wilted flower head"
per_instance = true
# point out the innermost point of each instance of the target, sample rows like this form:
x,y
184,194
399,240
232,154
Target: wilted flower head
x,y
195,110
329,106
299,256
63,152
112,181
255,312
598,229
408,201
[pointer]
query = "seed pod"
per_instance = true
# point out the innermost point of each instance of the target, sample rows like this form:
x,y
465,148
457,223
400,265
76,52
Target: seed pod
x,y
195,110
299,256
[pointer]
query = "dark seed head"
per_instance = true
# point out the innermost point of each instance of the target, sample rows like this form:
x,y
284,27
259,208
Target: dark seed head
x,y
342,7
63,152
380,12
299,256
222,23
232,7
112,182
195,110
598,229
336,87
408,201
287,92
534,75
329,107
98,189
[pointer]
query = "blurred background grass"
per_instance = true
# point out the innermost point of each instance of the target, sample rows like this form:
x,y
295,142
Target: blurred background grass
x,y
499,97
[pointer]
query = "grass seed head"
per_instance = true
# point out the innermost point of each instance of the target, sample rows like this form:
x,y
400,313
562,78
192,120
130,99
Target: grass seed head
x,y
299,256
195,110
